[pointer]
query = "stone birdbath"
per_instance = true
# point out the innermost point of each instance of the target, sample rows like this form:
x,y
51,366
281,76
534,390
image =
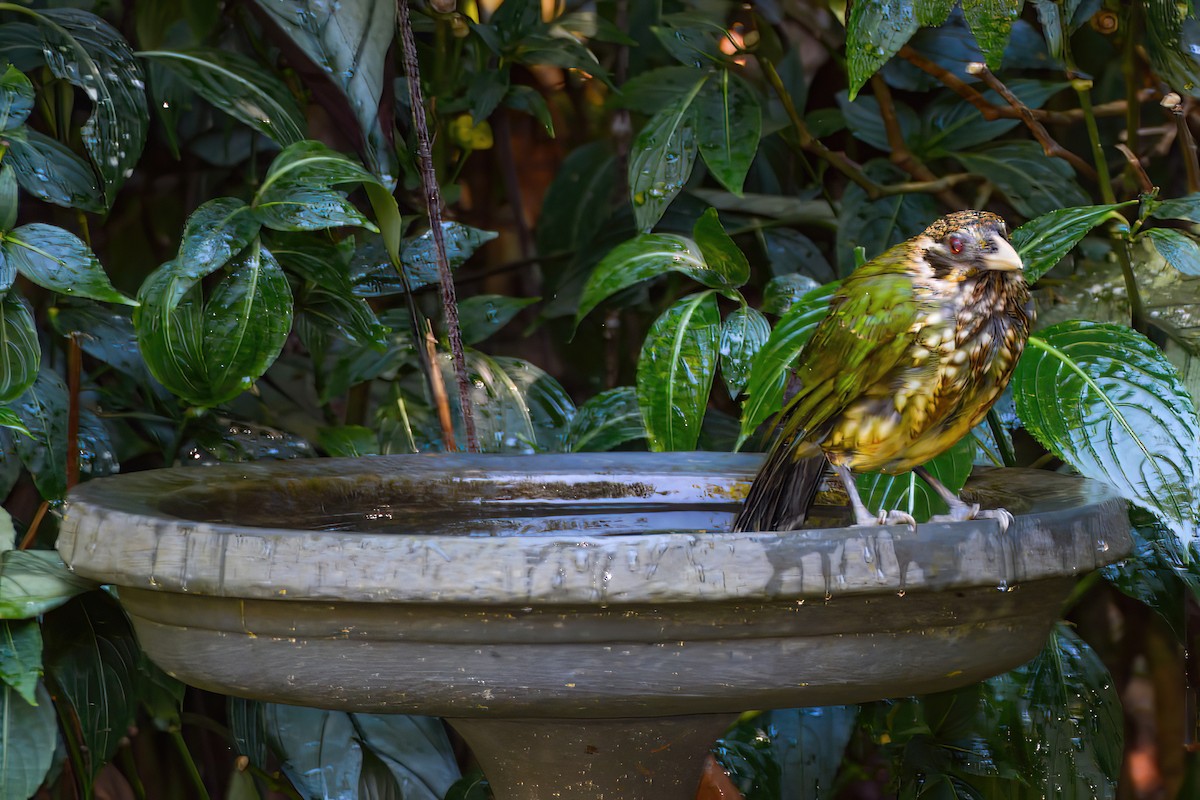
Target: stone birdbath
x,y
586,622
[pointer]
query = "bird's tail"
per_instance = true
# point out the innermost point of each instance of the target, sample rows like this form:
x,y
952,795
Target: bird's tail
x,y
784,490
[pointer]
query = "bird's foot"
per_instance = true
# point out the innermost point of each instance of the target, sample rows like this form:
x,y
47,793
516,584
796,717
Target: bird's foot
x,y
961,512
893,517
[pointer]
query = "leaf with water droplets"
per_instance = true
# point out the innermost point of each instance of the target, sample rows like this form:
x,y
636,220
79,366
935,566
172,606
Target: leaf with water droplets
x,y
676,369
662,157
60,261
743,334
875,31
52,172
81,48
1044,241
1177,248
773,363
483,314
20,353
608,420
692,38
783,291
43,409
16,98
728,128
1104,399
653,90
371,269
8,197
170,330
519,407
240,87
309,210
214,233
348,45
991,21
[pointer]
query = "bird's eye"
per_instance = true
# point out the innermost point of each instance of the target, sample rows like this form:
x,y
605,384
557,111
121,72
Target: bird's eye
x,y
956,243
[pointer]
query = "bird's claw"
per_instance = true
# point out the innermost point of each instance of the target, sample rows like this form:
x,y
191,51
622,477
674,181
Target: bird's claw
x,y
968,511
892,517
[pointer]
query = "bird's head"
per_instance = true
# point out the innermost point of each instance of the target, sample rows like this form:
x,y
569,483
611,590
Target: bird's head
x,y
969,241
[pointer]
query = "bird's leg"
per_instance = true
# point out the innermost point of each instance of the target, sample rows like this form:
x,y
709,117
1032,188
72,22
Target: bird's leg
x,y
961,510
862,514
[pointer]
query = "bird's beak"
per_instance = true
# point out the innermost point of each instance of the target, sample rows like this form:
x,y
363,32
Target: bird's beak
x,y
1004,257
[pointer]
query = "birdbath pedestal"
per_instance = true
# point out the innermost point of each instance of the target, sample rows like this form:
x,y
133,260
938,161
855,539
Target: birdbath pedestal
x,y
586,622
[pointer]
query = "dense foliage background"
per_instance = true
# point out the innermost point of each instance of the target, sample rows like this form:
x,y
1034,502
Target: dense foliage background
x,y
215,245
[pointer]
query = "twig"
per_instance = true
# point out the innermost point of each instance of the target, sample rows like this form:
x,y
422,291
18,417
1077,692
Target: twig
x,y
439,391
433,203
1135,164
31,534
901,156
1187,145
1049,145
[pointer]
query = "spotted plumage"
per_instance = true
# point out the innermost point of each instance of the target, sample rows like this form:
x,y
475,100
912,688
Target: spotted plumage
x,y
918,344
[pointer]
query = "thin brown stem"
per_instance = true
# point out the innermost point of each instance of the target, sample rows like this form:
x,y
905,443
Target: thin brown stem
x,y
31,534
1187,144
1049,146
901,156
440,401
1135,166
433,204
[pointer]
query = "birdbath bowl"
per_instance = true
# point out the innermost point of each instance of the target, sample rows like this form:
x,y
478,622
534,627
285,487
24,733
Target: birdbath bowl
x,y
586,622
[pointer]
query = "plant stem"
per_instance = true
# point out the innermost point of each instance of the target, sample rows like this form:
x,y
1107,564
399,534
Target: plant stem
x,y
74,368
996,426
433,204
189,763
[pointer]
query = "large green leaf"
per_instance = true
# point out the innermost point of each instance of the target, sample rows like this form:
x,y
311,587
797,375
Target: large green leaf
x,y
783,291
415,749
91,661
772,365
21,658
60,261
911,494
81,48
722,257
662,157
29,735
1167,43
373,275
728,127
1032,181
1044,241
320,753
743,334
349,44
214,233
676,369
578,200
991,21
608,420
1186,207
240,87
170,329
33,582
518,406
20,353
875,31
43,410
52,172
949,124
1107,401
307,209
1177,248
298,192
8,197
483,314
16,98
653,90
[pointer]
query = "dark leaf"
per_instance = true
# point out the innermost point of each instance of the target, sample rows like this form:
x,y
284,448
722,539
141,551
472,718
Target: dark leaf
x,y
43,410
20,659
743,334
52,172
608,420
783,291
950,124
676,369
20,353
373,275
1177,248
876,225
693,39
865,120
31,733
1187,207
415,749
1033,182
8,197
484,314
348,440
16,98
60,261
578,200
662,158
247,724
530,101
320,752
728,128
651,91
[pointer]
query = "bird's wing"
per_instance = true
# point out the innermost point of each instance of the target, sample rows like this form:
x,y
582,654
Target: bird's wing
x,y
870,325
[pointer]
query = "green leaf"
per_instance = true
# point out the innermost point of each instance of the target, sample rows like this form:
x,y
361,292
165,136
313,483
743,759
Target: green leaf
x,y
1177,248
60,261
950,124
721,256
650,255
875,31
772,365
743,334
692,38
309,165
484,314
530,101
865,120
33,582
31,733
1044,241
783,291
578,200
246,321
1187,207
518,406
20,353
238,86
1169,46
81,48
653,90
1104,399
16,98
911,494
348,440
1033,182
348,45
21,658
10,420
321,312
302,209
214,233
676,369
43,410
876,225
170,329
662,158
52,172
608,420
320,753
728,128
415,749
991,21
373,275
91,661
8,198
